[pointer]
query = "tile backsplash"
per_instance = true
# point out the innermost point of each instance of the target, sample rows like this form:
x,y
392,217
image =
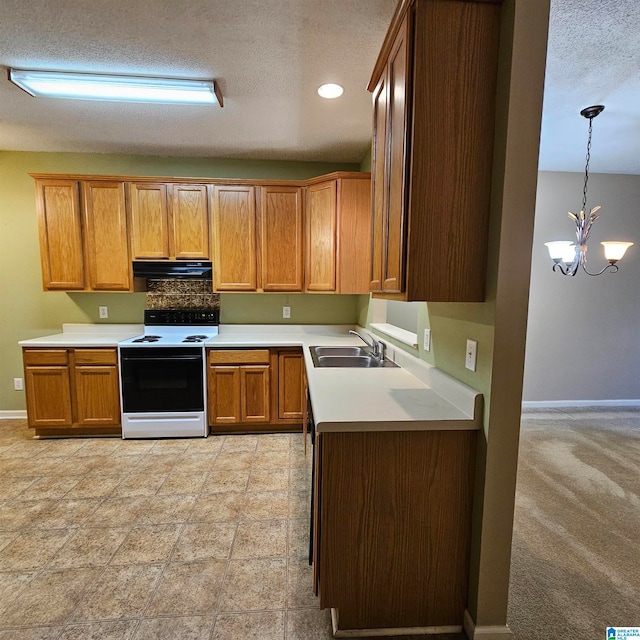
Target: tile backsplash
x,y
176,293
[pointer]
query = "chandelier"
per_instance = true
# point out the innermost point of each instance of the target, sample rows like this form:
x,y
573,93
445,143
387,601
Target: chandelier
x,y
569,256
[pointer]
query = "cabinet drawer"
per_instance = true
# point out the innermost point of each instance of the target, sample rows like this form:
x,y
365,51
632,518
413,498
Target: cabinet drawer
x,y
239,356
45,356
96,356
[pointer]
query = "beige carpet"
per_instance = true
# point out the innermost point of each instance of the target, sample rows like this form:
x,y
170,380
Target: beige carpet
x,y
576,546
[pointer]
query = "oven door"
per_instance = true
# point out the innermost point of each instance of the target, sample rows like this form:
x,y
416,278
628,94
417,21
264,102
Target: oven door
x,y
162,379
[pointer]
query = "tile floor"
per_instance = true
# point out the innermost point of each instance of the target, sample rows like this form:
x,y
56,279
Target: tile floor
x,y
201,539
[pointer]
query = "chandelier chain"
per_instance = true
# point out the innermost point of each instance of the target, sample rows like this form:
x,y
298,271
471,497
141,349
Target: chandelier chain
x,y
586,168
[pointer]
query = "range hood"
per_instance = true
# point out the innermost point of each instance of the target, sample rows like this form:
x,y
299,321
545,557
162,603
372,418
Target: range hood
x,y
186,269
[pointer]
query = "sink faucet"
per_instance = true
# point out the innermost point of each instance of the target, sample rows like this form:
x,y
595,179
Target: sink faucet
x,y
378,348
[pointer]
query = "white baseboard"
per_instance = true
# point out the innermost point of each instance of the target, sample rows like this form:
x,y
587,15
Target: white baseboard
x,y
17,414
577,404
494,632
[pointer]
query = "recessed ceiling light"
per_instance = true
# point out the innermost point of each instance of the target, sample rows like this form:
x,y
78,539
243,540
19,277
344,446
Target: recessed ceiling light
x,y
93,86
330,90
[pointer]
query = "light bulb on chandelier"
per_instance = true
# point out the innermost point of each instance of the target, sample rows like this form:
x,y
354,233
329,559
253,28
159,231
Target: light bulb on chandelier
x,y
569,256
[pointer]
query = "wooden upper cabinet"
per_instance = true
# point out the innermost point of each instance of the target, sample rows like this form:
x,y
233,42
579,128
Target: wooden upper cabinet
x,y
434,87
354,235
169,221
379,182
321,236
149,220
281,238
338,234
106,239
284,236
59,222
189,222
234,237
397,128
389,167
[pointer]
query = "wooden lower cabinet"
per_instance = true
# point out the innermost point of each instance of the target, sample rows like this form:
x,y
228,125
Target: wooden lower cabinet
x,y
224,395
72,391
392,527
48,396
291,394
239,395
254,390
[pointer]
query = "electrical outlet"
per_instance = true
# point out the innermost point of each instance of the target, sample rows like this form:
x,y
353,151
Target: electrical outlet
x,y
286,312
18,384
471,355
104,312
427,340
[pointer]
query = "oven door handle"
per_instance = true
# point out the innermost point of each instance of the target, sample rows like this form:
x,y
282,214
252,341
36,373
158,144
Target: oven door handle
x,y
160,358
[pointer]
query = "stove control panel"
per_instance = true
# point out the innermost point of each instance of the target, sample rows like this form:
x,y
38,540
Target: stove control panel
x,y
178,317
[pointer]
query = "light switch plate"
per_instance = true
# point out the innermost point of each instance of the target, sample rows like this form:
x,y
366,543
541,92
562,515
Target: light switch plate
x,y
471,355
17,384
427,340
286,312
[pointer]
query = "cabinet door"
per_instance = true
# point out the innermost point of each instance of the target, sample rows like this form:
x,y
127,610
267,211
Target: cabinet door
x,y
398,129
149,220
189,222
354,235
108,264
224,395
48,392
97,401
281,238
321,237
255,387
380,184
291,397
234,238
59,222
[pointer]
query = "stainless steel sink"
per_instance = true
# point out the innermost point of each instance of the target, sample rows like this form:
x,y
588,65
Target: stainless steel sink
x,y
341,351
350,357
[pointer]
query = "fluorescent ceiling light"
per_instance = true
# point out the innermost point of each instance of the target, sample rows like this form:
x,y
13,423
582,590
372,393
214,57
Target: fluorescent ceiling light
x,y
330,90
93,86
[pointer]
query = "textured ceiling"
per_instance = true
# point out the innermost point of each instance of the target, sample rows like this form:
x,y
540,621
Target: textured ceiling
x,y
593,58
269,56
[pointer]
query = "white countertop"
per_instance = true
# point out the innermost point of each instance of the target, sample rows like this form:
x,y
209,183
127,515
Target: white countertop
x,y
86,335
414,397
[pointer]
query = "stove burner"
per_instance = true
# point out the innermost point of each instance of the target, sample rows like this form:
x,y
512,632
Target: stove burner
x,y
195,338
147,339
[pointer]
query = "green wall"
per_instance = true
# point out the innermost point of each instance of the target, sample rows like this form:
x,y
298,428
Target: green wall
x,y
365,165
451,325
28,312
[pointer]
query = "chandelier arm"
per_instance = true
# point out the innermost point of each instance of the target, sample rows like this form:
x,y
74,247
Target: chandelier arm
x,y
612,267
569,271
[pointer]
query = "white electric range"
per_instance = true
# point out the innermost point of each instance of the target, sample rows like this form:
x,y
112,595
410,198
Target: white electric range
x,y
162,375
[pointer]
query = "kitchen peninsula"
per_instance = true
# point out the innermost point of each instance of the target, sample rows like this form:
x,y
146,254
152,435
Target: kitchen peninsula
x,y
393,469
